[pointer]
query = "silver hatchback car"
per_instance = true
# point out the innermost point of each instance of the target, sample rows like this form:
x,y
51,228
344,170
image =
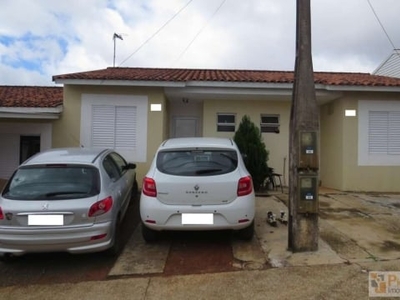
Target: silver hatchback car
x,y
71,199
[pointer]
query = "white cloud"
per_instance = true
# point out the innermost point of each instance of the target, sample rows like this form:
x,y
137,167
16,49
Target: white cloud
x,y
19,76
55,37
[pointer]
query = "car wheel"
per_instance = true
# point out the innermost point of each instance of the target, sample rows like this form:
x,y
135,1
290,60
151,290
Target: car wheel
x,y
8,258
149,235
116,248
246,233
134,193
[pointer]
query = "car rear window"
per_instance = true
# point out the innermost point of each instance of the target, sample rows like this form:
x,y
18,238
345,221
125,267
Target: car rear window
x,y
53,182
205,162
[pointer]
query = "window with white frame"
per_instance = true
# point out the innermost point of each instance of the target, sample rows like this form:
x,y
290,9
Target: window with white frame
x,y
115,121
114,127
269,123
384,132
379,133
226,122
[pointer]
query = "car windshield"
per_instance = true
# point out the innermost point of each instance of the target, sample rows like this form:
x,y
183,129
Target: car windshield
x,y
205,162
53,182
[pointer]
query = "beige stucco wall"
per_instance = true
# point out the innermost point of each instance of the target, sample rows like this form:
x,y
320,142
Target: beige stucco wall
x,y
66,131
365,178
339,167
331,145
352,173
276,144
338,134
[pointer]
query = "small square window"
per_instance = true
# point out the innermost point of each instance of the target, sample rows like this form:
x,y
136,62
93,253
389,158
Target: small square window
x,y
269,123
226,122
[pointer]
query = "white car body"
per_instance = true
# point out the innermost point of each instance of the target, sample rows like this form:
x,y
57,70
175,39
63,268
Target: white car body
x,y
217,195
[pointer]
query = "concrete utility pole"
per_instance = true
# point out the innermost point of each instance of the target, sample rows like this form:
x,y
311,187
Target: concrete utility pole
x,y
304,135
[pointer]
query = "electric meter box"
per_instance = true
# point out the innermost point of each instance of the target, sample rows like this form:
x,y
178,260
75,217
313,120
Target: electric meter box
x,y
308,194
308,156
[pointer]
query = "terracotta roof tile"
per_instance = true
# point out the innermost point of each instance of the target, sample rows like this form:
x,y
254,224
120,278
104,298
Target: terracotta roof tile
x,y
250,76
30,96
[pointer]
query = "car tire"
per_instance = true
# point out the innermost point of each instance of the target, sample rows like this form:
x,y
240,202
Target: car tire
x,y
246,233
8,258
149,235
116,248
134,193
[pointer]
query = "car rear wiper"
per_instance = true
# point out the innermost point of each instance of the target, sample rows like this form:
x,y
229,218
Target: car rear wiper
x,y
205,171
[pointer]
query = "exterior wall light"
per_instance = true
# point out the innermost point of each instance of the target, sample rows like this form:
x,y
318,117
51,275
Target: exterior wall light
x,y
350,113
155,107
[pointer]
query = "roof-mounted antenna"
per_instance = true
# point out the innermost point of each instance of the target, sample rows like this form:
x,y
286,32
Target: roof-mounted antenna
x,y
116,36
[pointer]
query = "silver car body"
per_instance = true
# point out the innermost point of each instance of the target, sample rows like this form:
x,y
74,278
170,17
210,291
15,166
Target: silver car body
x,y
172,200
53,214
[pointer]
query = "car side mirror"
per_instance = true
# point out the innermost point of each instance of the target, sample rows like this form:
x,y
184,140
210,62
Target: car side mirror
x,y
131,166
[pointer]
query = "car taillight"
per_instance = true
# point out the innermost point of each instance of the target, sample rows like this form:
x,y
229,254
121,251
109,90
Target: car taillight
x,y
245,186
100,207
149,187
1,214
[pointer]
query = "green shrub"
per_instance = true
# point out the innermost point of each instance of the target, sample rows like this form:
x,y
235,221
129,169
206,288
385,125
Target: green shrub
x,y
249,140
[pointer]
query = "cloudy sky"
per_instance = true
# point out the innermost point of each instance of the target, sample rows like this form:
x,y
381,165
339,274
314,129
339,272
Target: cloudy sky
x,y
41,38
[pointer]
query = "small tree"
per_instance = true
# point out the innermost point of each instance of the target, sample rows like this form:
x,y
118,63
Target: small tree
x,y
249,140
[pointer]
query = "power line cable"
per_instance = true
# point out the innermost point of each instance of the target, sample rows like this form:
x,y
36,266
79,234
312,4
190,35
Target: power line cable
x,y
154,34
200,31
380,23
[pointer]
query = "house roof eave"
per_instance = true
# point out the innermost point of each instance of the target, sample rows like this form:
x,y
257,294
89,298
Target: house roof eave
x,y
225,84
120,83
353,88
272,92
31,112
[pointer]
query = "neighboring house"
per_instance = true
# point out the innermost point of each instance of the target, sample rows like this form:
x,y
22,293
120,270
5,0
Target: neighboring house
x,y
135,109
391,66
27,114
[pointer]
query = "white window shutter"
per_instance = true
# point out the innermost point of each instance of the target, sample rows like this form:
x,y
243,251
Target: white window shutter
x,y
378,132
103,126
384,132
114,127
126,127
115,121
394,133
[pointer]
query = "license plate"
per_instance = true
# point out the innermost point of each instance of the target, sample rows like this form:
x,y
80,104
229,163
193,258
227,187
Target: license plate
x,y
197,219
37,220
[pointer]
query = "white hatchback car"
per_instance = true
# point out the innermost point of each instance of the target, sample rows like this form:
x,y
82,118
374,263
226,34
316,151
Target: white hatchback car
x,y
197,184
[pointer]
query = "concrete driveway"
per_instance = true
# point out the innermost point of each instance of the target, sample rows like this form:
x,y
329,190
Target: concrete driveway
x,y
354,228
358,233
361,226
